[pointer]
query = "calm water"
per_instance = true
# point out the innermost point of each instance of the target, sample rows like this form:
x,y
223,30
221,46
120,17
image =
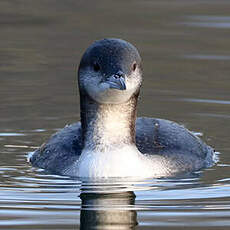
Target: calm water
x,y
186,51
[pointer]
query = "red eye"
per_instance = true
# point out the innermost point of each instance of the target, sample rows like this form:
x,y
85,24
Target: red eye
x,y
96,67
134,66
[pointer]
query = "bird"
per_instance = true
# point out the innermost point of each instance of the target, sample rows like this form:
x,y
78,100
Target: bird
x,y
109,140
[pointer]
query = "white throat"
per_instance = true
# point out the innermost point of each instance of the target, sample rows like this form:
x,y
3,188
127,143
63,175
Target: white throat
x,y
111,127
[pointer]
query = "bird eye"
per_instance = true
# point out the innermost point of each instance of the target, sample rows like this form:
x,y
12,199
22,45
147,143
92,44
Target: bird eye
x,y
96,67
134,66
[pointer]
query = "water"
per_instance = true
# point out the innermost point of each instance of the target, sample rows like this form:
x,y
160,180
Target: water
x,y
185,48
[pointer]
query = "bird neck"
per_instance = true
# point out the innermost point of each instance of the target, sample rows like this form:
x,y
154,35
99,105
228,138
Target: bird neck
x,y
107,125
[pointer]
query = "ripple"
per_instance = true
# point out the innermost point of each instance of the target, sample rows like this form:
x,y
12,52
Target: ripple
x,y
222,25
20,146
39,130
207,57
210,18
223,102
34,197
208,21
12,134
213,115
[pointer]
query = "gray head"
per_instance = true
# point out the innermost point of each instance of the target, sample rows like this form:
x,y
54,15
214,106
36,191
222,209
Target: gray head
x,y
110,71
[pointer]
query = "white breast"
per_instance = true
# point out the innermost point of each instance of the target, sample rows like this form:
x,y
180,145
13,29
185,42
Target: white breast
x,y
124,162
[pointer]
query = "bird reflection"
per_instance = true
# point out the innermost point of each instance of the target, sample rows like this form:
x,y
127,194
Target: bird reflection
x,y
107,210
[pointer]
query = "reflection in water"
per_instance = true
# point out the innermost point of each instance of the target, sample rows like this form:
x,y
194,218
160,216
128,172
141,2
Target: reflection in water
x,y
112,210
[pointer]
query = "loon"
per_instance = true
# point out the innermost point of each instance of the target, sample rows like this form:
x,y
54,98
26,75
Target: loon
x,y
110,141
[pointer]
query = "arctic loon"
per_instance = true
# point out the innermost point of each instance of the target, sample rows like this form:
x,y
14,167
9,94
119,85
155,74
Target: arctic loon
x,y
110,141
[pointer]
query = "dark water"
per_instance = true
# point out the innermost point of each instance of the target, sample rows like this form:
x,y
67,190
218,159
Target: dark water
x,y
185,47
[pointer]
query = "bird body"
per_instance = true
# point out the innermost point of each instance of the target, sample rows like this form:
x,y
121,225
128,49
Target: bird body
x,y
109,141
